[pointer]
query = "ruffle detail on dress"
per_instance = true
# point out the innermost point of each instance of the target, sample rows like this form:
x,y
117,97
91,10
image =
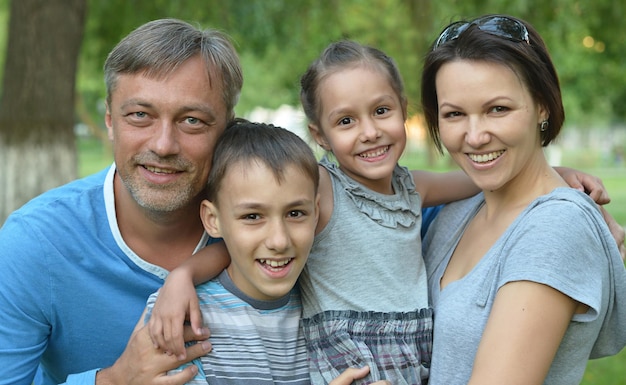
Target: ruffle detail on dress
x,y
401,209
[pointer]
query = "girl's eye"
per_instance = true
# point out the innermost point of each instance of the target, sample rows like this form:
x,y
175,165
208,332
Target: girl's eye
x,y
344,121
381,110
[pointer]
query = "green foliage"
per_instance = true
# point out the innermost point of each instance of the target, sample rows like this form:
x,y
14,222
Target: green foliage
x,y
606,371
277,39
4,30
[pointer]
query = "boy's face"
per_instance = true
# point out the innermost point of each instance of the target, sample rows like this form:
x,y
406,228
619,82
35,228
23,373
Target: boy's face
x,y
268,227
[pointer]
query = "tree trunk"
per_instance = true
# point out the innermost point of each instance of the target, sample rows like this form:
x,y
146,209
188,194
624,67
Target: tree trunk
x,y
37,148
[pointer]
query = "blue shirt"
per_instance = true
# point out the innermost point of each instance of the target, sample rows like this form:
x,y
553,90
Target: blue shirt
x,y
71,290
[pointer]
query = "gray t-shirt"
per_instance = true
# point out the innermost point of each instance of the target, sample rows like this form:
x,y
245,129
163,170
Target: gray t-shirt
x,y
368,257
560,240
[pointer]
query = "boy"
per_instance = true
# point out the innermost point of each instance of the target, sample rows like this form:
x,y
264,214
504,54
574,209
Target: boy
x,y
262,200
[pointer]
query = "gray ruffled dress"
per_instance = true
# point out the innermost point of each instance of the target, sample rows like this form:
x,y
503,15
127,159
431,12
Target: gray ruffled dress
x,y
364,288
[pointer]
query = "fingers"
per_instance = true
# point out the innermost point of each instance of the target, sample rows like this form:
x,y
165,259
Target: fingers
x,y
190,335
155,327
349,375
198,350
173,336
182,377
195,316
600,196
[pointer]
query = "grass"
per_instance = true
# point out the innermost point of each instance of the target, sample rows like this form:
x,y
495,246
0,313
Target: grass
x,y
606,371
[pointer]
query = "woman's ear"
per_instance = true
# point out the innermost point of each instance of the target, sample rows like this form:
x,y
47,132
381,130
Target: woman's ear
x,y
319,137
544,114
210,218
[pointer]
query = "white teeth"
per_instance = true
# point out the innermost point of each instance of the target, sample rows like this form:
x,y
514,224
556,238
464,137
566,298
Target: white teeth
x,y
158,170
374,154
274,263
485,157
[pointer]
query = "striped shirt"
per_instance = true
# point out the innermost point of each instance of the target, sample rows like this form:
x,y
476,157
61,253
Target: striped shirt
x,y
254,342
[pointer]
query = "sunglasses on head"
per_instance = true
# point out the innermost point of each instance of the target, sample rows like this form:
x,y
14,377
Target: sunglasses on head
x,y
501,26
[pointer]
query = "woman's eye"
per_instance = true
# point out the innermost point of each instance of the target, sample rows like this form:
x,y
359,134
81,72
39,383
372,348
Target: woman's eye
x,y
499,109
451,114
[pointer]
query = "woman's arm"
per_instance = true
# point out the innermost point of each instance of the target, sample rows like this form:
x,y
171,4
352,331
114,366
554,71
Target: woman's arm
x,y
523,333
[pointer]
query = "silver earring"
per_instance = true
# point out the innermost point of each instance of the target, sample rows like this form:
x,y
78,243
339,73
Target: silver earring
x,y
544,126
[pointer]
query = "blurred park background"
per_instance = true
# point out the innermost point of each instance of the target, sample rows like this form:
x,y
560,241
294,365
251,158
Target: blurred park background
x,y
52,90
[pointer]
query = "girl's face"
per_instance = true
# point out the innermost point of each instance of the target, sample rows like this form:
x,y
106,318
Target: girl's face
x,y
489,123
362,123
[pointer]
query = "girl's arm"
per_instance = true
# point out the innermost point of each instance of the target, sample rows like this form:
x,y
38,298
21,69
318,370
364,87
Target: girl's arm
x,y
439,188
523,333
177,298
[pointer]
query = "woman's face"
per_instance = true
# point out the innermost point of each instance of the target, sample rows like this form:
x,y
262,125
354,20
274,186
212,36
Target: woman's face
x,y
489,123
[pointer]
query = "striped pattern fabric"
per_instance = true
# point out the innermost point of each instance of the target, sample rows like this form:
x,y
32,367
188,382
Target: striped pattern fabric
x,y
254,342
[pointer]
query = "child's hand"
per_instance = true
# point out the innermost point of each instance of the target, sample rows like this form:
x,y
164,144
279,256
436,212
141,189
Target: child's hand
x,y
591,185
177,301
348,376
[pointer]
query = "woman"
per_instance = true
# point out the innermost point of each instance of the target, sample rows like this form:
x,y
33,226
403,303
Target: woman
x,y
525,278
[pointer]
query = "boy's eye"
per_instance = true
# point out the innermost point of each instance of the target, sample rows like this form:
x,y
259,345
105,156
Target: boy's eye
x,y
296,213
251,217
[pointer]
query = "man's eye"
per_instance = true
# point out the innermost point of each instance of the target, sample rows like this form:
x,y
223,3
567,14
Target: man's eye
x,y
192,120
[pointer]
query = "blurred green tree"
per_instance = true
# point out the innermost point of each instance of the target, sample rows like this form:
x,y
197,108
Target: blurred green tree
x,y
37,101
277,39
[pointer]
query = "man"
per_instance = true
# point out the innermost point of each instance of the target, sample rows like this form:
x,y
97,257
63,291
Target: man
x,y
78,263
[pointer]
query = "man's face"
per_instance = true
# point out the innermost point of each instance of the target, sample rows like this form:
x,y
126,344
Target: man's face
x,y
163,132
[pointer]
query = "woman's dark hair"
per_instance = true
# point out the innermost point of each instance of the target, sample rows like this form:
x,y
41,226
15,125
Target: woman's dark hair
x,y
529,60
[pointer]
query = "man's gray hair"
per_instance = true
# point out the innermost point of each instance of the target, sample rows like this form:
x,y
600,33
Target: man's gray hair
x,y
158,47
